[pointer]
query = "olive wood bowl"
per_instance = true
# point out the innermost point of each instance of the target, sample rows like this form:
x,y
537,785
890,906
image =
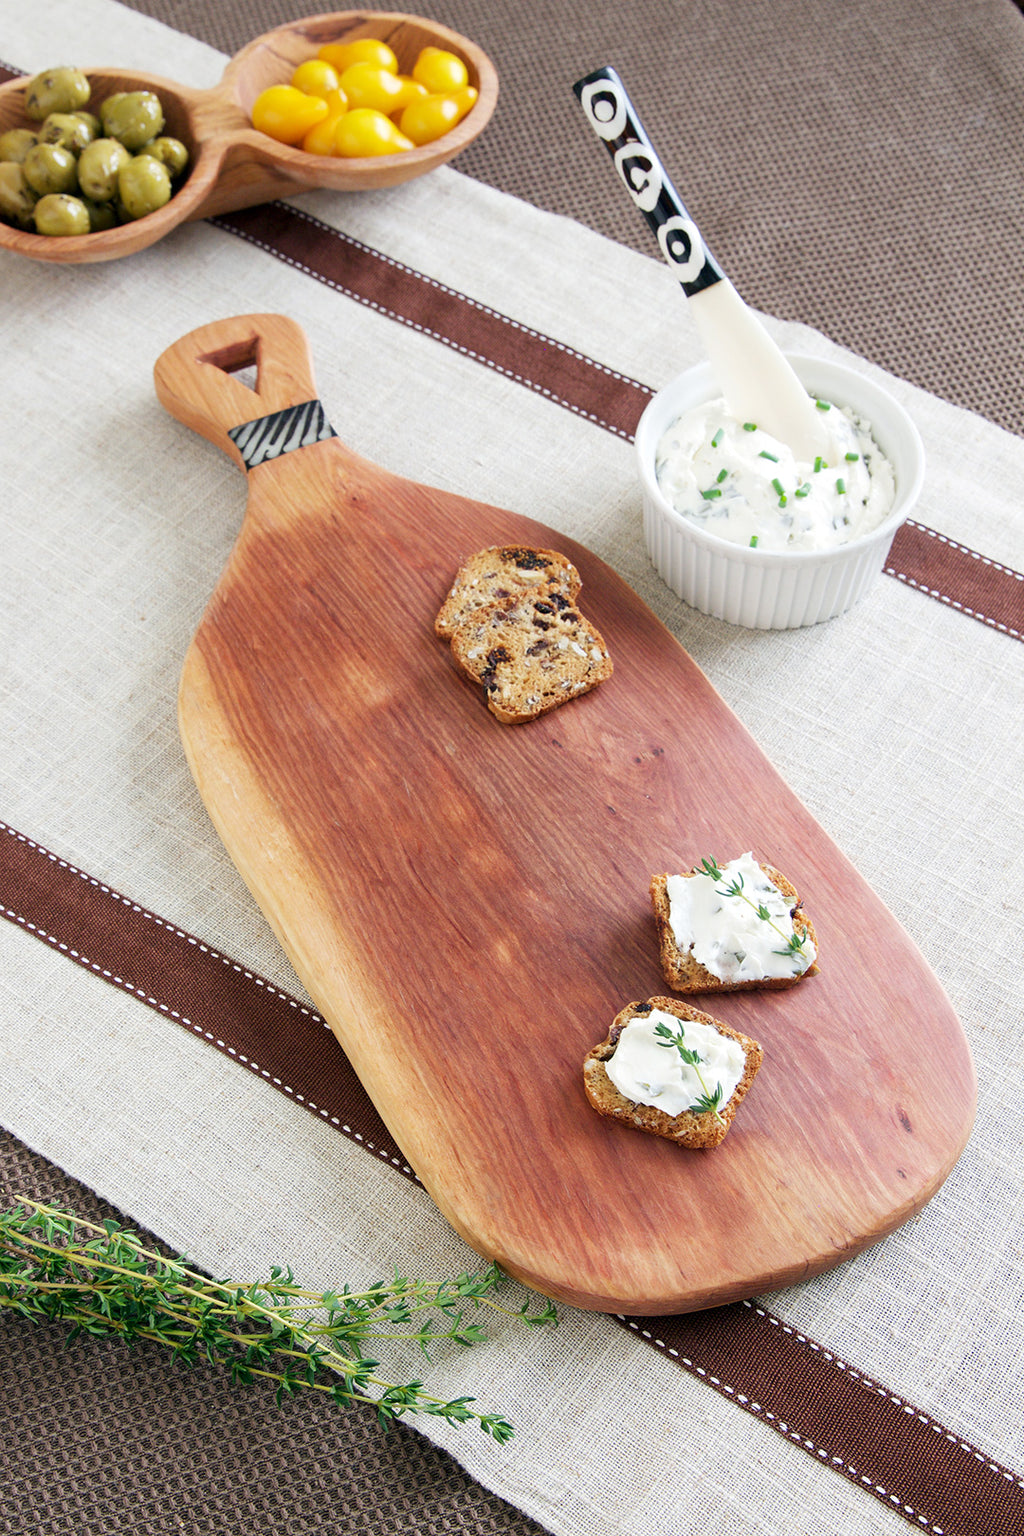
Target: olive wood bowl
x,y
231,164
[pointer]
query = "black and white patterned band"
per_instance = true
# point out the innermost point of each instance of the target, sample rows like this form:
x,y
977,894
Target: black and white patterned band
x,y
269,436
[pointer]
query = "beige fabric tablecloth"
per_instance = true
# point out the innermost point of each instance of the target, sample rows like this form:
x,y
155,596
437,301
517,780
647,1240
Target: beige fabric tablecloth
x,y
899,725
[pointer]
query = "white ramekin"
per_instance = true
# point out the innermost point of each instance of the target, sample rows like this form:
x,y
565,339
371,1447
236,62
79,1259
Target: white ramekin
x,y
772,589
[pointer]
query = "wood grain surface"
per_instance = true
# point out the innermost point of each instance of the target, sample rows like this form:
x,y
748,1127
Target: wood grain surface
x,y
467,903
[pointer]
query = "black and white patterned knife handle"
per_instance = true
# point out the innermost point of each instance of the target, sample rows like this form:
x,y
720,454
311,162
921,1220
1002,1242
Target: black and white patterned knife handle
x,y
610,113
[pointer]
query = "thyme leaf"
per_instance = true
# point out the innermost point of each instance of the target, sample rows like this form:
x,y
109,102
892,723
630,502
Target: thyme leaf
x,y
709,1103
101,1280
794,942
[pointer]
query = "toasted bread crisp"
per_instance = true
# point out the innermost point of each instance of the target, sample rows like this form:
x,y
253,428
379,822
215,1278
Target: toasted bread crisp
x,y
685,973
688,1129
500,573
531,654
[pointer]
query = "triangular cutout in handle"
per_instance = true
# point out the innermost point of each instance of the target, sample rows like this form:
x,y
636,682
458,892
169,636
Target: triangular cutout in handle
x,y
196,379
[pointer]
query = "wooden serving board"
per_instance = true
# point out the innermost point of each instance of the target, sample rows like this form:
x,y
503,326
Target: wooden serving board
x,y
467,902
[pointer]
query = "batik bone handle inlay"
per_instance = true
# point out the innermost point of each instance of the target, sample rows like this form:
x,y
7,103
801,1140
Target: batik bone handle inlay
x,y
613,118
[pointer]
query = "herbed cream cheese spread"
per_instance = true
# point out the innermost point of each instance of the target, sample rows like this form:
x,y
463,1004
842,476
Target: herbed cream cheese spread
x,y
649,1070
735,480
738,925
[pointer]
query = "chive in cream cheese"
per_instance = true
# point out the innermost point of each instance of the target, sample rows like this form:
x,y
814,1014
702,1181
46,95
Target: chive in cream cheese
x,y
735,480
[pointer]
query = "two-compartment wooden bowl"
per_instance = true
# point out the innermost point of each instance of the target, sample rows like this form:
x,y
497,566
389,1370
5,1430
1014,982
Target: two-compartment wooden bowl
x,y
231,164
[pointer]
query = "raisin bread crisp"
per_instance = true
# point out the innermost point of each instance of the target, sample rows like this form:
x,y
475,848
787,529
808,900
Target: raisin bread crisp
x,y
703,1130
531,654
502,572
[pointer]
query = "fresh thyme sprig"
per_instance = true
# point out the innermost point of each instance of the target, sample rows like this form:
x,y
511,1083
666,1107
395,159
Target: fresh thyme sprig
x,y
794,941
708,1103
100,1279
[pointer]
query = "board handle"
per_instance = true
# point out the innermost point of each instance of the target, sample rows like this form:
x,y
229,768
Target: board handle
x,y
195,381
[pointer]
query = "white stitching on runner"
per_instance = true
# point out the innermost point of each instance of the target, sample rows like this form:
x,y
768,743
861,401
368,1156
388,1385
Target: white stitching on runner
x,y
759,1411
197,1029
152,917
291,261
972,613
474,303
964,549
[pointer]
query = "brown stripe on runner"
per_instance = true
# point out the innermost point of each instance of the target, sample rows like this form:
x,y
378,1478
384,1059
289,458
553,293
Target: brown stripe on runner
x,y
939,567
273,1035
903,1457
539,362
959,577
933,1478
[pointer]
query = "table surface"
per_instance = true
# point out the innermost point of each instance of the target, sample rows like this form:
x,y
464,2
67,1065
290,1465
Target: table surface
x,y
861,178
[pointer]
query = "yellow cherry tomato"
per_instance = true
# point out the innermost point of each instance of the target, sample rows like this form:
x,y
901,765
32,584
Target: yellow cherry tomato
x,y
320,140
440,71
287,114
367,85
365,131
361,50
411,90
316,77
425,120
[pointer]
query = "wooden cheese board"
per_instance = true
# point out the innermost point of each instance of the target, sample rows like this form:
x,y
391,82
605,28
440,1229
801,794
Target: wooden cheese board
x,y
467,902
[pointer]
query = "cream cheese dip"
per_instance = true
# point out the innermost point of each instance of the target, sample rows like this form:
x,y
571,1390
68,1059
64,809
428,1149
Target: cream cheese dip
x,y
649,1070
735,480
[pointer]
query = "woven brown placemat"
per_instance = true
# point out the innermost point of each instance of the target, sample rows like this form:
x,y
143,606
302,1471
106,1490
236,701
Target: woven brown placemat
x,y
853,166
113,1441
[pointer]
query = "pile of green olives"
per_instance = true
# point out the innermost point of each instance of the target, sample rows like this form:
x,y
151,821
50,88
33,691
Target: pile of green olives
x,y
80,172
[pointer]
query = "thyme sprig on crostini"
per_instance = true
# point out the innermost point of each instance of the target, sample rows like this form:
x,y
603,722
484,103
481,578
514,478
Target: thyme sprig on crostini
x,y
709,1103
794,942
100,1279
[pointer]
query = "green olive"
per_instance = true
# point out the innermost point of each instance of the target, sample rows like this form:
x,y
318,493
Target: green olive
x,y
72,129
82,173
101,215
59,214
50,168
17,198
16,143
92,122
143,186
98,167
171,152
133,117
109,101
55,90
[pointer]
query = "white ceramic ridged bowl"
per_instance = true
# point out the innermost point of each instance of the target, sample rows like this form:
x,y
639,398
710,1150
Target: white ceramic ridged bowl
x,y
772,589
